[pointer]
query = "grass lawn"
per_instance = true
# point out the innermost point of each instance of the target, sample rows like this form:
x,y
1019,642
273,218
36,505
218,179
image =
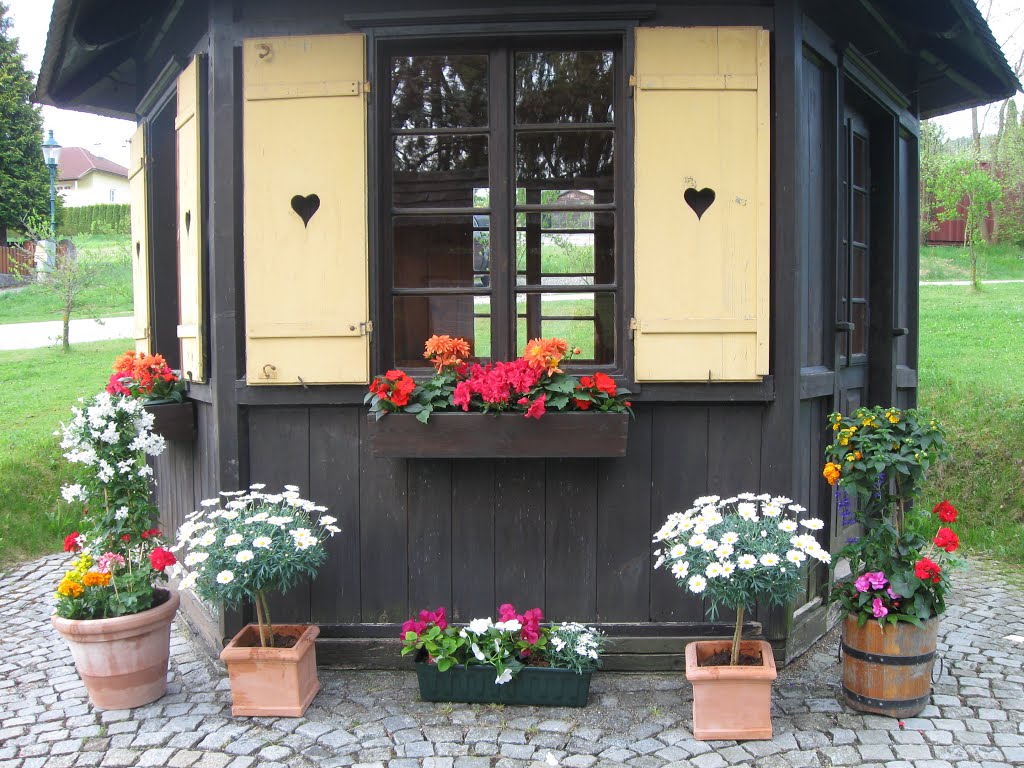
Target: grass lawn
x,y
110,296
972,346
39,387
952,262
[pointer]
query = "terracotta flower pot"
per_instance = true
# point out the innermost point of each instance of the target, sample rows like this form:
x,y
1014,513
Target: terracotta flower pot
x,y
122,661
272,682
731,703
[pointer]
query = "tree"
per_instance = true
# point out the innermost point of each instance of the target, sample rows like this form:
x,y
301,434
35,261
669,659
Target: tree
x,y
24,178
958,183
933,147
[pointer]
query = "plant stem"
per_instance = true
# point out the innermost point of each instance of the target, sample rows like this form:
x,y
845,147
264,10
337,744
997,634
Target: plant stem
x,y
266,613
734,659
259,620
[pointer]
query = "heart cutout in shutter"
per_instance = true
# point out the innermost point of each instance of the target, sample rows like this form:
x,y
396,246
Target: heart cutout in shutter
x,y
306,207
188,222
699,200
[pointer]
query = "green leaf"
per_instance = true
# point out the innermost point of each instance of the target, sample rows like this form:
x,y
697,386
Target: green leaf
x,y
424,415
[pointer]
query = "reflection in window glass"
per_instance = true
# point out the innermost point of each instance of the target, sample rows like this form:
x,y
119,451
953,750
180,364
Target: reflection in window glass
x,y
585,320
564,86
441,251
429,92
439,171
576,160
419,317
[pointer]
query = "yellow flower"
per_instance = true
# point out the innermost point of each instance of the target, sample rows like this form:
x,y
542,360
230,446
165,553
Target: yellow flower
x,y
835,426
850,457
892,417
844,441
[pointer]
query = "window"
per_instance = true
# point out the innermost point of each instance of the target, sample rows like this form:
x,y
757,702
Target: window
x,y
112,195
499,199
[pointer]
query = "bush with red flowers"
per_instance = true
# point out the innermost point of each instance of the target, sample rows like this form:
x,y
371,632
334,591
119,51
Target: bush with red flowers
x,y
515,641
139,374
532,384
877,462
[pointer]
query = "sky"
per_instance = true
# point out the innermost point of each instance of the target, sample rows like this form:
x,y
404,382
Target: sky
x,y
108,137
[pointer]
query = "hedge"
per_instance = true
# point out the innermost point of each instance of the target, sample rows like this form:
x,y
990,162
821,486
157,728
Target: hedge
x,y
104,219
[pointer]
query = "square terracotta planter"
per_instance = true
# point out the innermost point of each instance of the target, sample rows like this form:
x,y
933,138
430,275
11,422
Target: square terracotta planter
x,y
731,703
272,682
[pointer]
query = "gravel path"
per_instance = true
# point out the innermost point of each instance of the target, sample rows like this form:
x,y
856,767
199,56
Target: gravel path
x,y
976,719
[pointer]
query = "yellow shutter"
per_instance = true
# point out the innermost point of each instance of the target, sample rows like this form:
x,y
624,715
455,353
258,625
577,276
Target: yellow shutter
x,y
190,223
140,243
702,121
306,289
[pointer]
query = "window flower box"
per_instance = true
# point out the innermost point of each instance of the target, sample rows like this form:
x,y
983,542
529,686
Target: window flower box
x,y
537,686
173,420
499,435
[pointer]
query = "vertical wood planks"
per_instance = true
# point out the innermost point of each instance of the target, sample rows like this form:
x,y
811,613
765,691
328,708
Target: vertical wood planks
x,y
430,534
519,509
473,539
334,483
570,558
623,527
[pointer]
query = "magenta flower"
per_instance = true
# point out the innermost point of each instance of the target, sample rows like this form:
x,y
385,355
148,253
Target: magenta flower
x,y
892,595
878,609
877,579
108,560
862,584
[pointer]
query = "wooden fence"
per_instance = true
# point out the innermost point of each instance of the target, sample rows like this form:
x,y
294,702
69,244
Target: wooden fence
x,y
17,260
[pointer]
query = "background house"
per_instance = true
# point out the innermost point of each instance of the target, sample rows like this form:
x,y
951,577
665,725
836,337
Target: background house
x,y
318,179
85,179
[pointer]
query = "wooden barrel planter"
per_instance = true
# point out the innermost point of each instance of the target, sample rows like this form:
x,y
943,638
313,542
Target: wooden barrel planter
x,y
888,671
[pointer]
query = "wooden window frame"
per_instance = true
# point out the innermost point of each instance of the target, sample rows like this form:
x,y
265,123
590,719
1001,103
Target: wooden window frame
x,y
500,45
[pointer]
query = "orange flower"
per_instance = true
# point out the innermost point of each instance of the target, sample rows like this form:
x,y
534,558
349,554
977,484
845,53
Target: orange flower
x,y
69,588
546,354
832,472
95,579
444,351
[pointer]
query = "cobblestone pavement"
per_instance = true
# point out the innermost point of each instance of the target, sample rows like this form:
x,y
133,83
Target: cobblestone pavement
x,y
976,719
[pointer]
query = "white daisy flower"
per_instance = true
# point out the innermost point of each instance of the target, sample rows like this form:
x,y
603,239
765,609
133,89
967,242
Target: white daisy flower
x,y
225,577
680,569
746,562
232,540
729,538
728,568
326,520
188,581
677,551
262,542
245,556
787,526
795,556
257,486
723,551
659,562
709,545
697,540
207,539
195,558
292,488
769,559
771,510
814,524
747,510
713,571
697,584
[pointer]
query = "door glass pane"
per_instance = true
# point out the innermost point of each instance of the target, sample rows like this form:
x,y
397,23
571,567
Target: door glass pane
x,y
859,226
441,251
419,317
585,320
565,248
860,161
429,92
859,273
564,86
579,160
859,342
439,171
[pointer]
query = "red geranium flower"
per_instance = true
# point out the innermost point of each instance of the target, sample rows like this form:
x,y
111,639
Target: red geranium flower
x,y
926,569
605,383
126,537
947,512
71,542
947,539
151,532
536,409
584,404
160,558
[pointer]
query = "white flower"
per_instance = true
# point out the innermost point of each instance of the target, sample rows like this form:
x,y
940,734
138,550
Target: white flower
x,y
680,569
728,568
259,517
787,526
746,562
659,562
229,514
225,577
709,545
188,581
746,496
795,556
512,625
230,493
477,652
332,529
195,558
280,520
232,540
796,508
697,540
705,500
121,513
72,492
714,570
781,500
262,542
822,555
145,470
209,502
771,510
769,559
677,551
747,510
257,486
814,524
723,551
558,643
696,584
503,678
731,537
292,488
479,626
244,556
326,520
207,539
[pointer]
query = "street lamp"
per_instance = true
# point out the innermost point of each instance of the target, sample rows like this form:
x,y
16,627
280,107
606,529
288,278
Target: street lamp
x,y
51,154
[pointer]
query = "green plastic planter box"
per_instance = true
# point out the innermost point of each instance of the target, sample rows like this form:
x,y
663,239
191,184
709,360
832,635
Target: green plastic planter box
x,y
536,686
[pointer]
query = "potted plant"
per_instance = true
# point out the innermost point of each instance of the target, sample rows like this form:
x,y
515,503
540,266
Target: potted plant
x,y
145,376
515,660
241,546
898,583
528,407
732,552
110,610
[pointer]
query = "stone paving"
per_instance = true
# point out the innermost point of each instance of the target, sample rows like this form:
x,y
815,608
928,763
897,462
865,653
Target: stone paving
x,y
976,719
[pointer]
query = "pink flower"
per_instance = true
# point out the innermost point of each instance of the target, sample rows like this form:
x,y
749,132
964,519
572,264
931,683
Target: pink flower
x,y
892,595
862,583
878,609
877,579
463,394
106,561
536,409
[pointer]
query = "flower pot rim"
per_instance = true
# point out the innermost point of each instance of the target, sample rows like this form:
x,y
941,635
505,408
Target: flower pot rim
x,y
852,617
486,667
102,630
233,652
766,671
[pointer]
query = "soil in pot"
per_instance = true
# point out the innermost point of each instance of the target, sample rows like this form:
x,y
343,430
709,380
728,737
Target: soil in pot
x,y
252,640
722,658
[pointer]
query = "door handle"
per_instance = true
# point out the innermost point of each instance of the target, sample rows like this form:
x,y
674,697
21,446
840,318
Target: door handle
x,y
845,326
900,331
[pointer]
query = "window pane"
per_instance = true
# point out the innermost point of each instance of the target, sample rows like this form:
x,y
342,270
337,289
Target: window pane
x,y
859,278
564,86
859,343
417,318
430,92
550,252
579,160
441,251
585,320
558,197
859,228
440,171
